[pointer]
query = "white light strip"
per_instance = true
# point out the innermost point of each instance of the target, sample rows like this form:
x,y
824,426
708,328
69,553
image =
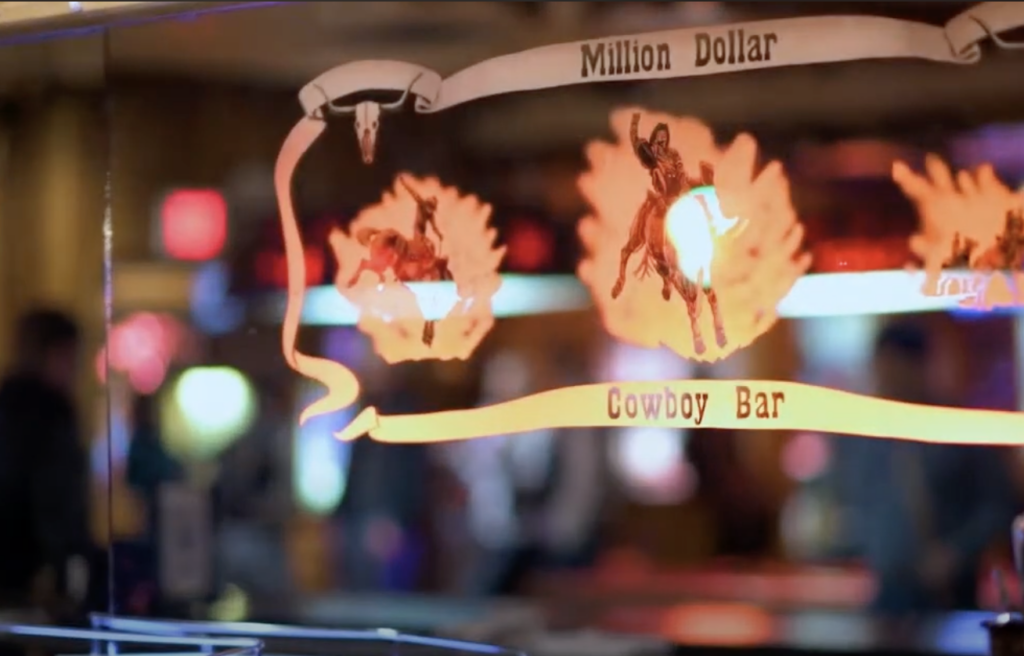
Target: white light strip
x,y
816,295
867,292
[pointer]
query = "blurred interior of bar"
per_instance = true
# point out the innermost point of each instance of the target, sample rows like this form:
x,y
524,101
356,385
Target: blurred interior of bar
x,y
138,208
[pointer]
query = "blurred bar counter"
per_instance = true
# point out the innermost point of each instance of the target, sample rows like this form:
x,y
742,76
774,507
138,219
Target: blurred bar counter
x,y
774,585
555,627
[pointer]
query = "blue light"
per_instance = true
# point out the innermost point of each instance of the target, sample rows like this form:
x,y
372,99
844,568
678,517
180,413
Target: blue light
x,y
321,462
961,634
213,310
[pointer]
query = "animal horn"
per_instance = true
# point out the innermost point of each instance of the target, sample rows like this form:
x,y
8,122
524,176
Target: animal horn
x,y
334,109
405,95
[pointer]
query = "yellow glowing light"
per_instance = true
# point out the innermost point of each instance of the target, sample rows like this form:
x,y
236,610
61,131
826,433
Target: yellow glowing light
x,y
232,606
208,408
694,223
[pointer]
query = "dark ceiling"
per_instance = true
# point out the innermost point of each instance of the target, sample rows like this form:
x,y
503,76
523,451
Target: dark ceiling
x,y
284,45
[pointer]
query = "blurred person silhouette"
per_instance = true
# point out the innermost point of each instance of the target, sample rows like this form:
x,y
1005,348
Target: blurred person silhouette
x,y
47,553
149,468
254,490
149,464
382,518
744,521
535,498
921,515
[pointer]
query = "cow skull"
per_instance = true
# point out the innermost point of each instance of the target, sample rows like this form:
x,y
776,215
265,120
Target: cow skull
x,y
367,119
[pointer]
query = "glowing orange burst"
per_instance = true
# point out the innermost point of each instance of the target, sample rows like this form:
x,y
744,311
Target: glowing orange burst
x,y
970,220
720,624
754,257
422,293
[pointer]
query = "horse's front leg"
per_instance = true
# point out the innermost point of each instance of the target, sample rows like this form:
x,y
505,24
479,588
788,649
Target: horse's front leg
x,y
364,265
716,314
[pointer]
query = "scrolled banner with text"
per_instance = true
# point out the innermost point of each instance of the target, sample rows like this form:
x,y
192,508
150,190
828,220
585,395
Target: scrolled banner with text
x,y
662,55
678,53
736,404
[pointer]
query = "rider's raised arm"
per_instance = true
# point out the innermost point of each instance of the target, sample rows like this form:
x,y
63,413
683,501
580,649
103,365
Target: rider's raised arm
x,y
634,133
412,192
641,147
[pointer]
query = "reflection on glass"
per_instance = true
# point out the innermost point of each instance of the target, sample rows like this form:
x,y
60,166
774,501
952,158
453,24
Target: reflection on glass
x,y
193,412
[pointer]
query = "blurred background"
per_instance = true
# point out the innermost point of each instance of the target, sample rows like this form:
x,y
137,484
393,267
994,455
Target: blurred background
x,y
137,181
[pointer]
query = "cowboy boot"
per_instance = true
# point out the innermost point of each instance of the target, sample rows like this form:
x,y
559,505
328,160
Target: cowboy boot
x,y
617,287
620,282
693,309
698,338
720,336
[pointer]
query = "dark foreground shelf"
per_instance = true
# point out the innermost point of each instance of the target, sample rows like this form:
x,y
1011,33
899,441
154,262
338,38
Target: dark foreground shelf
x,y
686,625
601,629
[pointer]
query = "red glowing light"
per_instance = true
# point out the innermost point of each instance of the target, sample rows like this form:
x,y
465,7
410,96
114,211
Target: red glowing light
x,y
806,456
530,247
272,268
142,348
194,224
314,267
857,254
148,375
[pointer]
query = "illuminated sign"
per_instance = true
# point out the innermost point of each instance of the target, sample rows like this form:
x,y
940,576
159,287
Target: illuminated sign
x,y
688,244
971,232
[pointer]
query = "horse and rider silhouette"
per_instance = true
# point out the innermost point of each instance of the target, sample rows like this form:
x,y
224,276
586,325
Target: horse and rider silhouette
x,y
410,259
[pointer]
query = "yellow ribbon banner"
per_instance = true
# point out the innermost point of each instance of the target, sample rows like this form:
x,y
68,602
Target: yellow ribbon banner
x,y
735,404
